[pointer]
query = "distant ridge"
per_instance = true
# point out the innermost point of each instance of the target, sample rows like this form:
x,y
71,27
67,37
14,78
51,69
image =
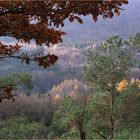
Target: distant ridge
x,y
125,25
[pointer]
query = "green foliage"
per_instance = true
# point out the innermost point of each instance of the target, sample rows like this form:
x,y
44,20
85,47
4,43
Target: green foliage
x,y
133,41
108,112
67,110
128,134
106,67
17,79
110,61
20,128
73,115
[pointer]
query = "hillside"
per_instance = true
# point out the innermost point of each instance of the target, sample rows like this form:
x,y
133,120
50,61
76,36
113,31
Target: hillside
x,y
70,65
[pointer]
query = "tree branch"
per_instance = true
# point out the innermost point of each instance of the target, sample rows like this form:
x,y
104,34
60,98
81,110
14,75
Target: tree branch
x,y
19,10
102,135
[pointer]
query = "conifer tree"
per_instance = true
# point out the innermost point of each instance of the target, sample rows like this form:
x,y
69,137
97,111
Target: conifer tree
x,y
107,71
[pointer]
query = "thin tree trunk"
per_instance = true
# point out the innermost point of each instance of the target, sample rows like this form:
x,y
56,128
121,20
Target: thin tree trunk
x,y
83,135
81,123
111,135
112,129
82,131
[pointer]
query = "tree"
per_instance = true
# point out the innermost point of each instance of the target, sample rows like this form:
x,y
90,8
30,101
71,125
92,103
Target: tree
x,y
13,81
21,128
38,20
16,20
72,115
107,71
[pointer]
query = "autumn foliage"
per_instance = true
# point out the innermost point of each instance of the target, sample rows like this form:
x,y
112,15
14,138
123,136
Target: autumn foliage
x,y
38,20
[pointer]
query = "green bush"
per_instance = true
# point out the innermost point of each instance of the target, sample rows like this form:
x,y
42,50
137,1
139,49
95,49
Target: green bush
x,y
20,128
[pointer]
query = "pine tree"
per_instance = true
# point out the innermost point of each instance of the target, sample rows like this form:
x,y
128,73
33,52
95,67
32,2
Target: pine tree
x,y
107,71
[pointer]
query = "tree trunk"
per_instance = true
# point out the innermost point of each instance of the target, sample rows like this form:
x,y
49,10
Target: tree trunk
x,y
83,135
111,135
82,131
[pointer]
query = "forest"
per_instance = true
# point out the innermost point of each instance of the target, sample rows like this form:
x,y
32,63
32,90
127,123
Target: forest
x,y
57,83
102,104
